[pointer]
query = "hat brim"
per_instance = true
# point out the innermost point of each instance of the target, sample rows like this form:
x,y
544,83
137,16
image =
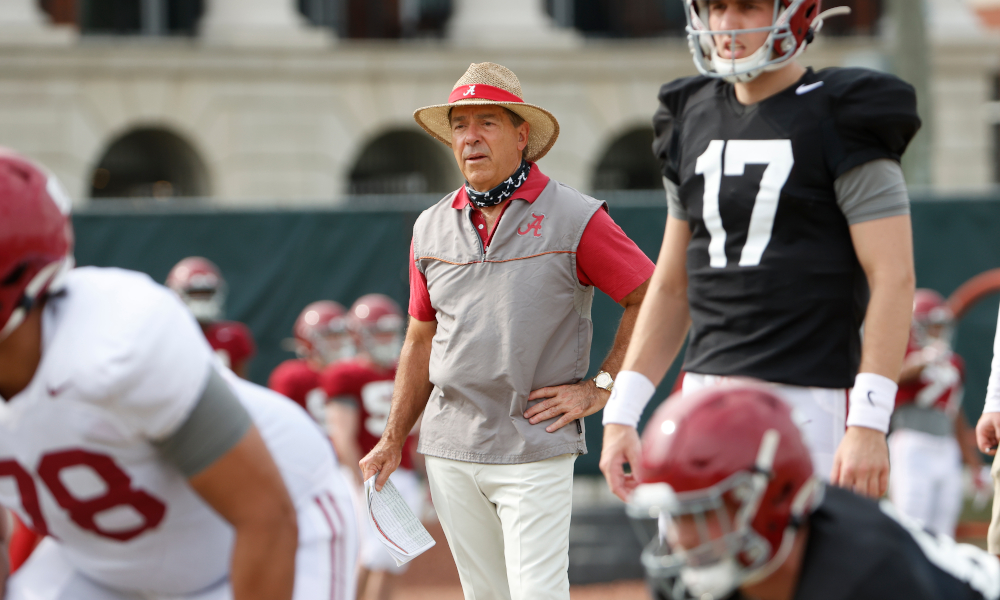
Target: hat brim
x,y
542,134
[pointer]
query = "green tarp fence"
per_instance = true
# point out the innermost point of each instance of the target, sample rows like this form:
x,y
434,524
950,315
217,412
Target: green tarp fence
x,y
276,262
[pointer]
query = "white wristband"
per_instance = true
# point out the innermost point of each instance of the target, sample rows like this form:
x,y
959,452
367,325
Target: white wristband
x,y
872,401
629,397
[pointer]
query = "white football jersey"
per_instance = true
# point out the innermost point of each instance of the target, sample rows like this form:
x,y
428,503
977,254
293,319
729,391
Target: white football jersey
x,y
123,364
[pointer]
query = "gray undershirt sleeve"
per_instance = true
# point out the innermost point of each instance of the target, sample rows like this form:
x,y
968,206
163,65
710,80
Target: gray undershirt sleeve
x,y
874,190
216,424
674,207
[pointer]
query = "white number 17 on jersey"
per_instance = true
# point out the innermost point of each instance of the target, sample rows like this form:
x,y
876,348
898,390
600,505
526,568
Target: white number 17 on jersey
x,y
777,155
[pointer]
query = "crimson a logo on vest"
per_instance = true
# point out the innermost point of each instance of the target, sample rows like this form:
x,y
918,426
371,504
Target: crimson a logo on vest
x,y
535,225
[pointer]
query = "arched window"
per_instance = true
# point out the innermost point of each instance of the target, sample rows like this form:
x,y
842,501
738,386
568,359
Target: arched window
x,y
629,164
404,162
149,163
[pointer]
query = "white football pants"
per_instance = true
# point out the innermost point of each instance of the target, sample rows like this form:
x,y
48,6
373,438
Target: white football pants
x,y
820,413
507,525
925,481
324,563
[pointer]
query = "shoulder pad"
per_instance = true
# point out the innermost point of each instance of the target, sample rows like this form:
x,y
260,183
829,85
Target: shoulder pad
x,y
875,114
673,97
289,370
339,375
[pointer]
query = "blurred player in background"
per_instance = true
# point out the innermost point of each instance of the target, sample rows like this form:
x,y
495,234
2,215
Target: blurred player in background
x,y
321,339
930,438
359,393
153,471
200,285
988,437
788,227
745,516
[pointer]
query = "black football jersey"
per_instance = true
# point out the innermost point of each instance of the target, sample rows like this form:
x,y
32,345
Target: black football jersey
x,y
860,549
775,288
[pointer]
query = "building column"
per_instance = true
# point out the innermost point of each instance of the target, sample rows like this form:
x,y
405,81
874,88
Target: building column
x,y
268,23
23,22
499,23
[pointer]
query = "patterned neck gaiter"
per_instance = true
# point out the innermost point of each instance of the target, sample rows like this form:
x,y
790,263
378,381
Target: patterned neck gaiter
x,y
501,192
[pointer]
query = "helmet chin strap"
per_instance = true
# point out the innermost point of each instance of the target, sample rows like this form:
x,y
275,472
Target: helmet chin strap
x,y
51,277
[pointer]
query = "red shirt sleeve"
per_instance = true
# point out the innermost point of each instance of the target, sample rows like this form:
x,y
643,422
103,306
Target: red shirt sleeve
x,y
420,299
608,259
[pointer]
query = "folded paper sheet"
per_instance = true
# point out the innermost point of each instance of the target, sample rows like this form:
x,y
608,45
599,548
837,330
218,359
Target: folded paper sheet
x,y
395,524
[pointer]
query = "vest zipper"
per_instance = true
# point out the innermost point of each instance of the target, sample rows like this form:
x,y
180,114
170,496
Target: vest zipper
x,y
479,239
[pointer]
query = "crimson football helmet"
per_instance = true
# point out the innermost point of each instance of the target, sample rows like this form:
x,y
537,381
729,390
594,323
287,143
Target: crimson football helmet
x,y
728,475
321,332
36,237
200,285
933,321
793,27
377,324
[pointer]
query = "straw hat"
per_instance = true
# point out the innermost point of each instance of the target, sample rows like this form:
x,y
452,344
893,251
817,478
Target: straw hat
x,y
490,83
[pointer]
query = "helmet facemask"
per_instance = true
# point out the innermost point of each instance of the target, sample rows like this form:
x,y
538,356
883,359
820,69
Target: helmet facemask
x,y
207,303
332,343
384,340
937,329
48,279
779,48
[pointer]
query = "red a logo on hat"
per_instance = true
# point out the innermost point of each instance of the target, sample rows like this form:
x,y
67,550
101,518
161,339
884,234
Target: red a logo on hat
x,y
471,91
535,225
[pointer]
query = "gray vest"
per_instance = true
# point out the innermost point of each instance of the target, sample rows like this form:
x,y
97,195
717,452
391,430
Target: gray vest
x,y
510,320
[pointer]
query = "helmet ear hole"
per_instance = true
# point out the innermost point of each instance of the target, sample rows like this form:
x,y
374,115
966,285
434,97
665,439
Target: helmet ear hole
x,y
784,493
15,275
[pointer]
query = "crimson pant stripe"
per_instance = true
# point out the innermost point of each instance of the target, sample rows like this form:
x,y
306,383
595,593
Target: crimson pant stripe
x,y
335,535
342,539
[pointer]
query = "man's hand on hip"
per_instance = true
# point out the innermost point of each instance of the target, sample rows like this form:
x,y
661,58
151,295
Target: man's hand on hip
x,y
621,445
861,463
383,459
574,401
988,433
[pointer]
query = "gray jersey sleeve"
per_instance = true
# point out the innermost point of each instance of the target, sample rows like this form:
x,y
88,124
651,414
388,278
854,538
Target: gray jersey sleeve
x,y
873,190
216,424
674,207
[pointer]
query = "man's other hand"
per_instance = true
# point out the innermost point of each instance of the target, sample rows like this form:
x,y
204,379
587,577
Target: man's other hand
x,y
383,459
621,445
861,463
572,402
988,433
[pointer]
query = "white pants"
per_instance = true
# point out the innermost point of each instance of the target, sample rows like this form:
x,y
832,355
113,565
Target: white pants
x,y
820,413
373,554
925,482
507,525
324,563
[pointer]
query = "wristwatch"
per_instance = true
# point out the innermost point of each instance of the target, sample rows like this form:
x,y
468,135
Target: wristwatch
x,y
604,380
